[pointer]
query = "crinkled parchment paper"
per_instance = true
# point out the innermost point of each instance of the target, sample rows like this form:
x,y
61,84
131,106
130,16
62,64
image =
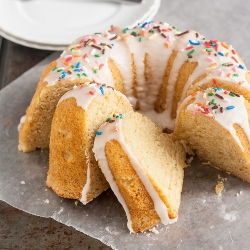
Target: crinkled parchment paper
x,y
205,219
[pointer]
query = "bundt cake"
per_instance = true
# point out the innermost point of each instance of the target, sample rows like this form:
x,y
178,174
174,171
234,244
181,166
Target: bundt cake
x,y
153,64
73,171
144,168
215,124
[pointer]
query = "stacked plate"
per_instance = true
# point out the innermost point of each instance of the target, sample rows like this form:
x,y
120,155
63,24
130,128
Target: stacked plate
x,y
54,24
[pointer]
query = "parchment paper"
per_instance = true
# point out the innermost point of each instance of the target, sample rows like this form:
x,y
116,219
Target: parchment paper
x,y
206,221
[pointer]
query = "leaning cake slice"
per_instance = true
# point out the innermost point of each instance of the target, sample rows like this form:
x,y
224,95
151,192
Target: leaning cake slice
x,y
144,168
73,172
214,123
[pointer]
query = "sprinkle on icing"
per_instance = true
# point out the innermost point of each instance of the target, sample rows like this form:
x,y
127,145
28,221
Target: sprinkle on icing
x,y
225,107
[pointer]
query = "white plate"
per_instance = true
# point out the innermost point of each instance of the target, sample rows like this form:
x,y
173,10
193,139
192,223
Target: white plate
x,y
56,23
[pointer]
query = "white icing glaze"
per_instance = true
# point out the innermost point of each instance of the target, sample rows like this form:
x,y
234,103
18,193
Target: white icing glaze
x,y
22,120
113,131
237,115
90,63
84,94
86,188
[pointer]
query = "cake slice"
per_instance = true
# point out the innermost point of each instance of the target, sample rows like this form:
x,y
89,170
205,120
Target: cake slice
x,y
73,172
144,168
214,123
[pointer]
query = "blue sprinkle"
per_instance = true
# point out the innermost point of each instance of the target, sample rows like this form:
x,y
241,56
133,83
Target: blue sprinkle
x,y
240,66
98,132
102,89
112,44
230,107
213,44
120,116
220,53
194,42
77,70
63,75
144,24
78,65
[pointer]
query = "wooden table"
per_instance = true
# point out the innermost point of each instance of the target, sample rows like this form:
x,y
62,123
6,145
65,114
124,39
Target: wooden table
x,y
19,230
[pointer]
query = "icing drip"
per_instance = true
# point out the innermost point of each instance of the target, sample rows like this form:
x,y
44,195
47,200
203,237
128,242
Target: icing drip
x,y
22,120
224,107
113,131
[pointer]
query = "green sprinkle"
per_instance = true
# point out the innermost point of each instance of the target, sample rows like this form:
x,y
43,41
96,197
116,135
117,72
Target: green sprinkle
x,y
236,74
95,71
140,39
59,70
54,69
72,66
84,74
224,64
231,94
109,119
174,27
134,33
72,49
191,52
79,75
97,55
125,31
204,38
209,50
98,33
153,31
210,94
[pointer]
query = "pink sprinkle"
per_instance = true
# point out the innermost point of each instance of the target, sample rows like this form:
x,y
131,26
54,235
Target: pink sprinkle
x,y
84,69
98,35
210,59
235,69
97,62
222,74
169,38
91,93
87,37
67,56
196,110
81,86
82,40
105,123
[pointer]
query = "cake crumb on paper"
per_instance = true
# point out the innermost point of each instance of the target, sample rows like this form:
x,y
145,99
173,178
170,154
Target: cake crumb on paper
x,y
219,188
22,182
46,201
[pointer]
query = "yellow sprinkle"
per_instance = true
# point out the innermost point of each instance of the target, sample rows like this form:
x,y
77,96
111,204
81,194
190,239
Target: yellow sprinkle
x,y
204,50
90,43
77,56
95,68
204,95
227,54
173,39
213,65
75,51
118,38
225,45
207,102
87,83
152,36
229,75
105,47
125,37
167,45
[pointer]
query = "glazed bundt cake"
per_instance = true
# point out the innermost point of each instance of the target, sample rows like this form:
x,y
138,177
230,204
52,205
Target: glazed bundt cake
x,y
215,124
153,64
73,172
144,168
